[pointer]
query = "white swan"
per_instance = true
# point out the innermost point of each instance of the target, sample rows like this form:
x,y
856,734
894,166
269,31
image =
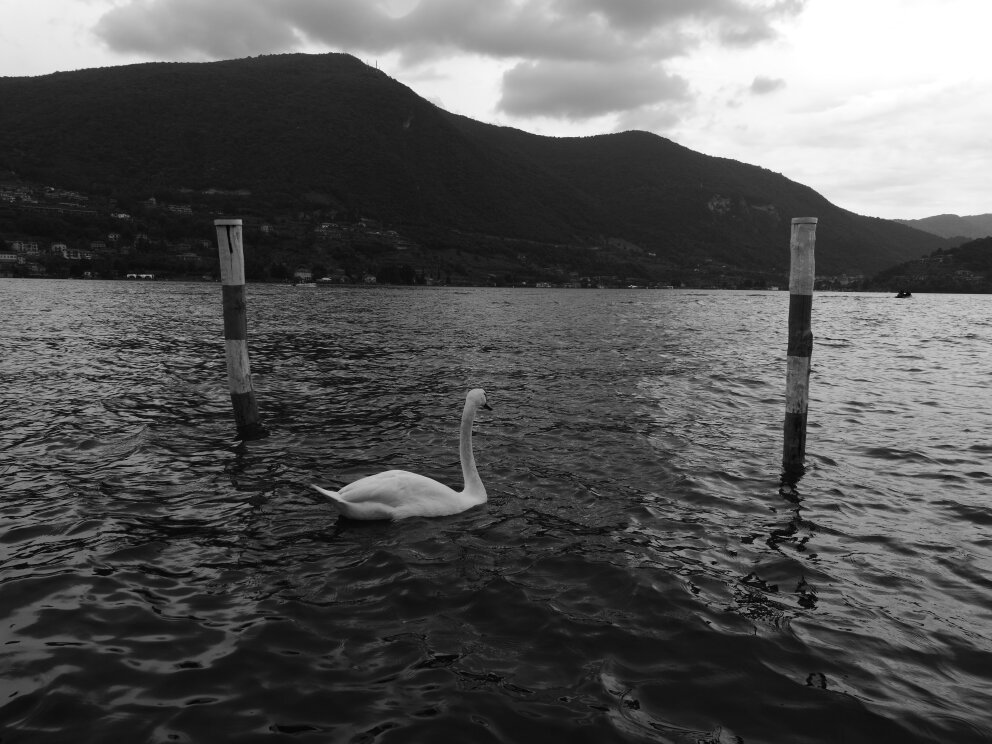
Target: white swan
x,y
397,494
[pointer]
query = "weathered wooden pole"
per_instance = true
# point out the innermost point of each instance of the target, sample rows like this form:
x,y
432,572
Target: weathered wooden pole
x,y
232,277
801,275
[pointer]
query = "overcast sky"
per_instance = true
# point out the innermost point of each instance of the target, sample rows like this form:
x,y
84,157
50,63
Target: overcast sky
x,y
883,106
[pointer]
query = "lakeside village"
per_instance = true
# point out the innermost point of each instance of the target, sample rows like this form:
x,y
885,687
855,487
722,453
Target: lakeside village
x,y
48,232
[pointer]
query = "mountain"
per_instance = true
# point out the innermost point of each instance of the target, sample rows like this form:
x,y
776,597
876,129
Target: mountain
x,y
964,269
953,226
316,137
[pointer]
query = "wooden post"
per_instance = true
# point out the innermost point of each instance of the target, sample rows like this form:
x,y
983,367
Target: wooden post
x,y
232,277
800,342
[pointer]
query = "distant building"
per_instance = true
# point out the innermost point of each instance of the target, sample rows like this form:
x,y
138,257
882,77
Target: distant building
x,y
26,247
336,276
17,194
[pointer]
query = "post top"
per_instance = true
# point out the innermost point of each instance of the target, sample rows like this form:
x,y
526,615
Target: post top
x,y
804,220
227,221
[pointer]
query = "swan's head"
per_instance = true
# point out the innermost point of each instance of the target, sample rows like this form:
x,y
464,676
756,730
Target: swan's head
x,y
477,399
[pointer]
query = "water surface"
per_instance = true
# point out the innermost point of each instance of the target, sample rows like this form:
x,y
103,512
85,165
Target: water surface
x,y
637,575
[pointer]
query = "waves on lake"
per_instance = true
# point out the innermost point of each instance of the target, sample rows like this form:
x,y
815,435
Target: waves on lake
x,y
637,574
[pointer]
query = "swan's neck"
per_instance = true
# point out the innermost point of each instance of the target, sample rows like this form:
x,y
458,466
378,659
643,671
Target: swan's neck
x,y
473,483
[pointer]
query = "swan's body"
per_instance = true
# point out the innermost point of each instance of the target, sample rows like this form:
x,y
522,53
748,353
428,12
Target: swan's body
x,y
397,494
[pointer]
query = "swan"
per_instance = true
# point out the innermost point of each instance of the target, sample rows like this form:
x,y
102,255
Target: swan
x,y
398,494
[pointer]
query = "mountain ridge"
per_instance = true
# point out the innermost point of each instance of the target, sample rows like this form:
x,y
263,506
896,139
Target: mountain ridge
x,y
953,226
328,132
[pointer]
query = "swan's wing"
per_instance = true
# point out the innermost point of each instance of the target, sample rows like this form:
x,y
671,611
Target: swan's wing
x,y
395,488
403,494
397,494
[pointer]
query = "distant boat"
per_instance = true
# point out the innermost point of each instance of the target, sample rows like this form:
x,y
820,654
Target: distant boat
x,y
903,294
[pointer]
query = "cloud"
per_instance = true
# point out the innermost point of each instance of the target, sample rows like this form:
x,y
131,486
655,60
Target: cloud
x,y
532,29
734,20
173,29
566,58
584,90
762,85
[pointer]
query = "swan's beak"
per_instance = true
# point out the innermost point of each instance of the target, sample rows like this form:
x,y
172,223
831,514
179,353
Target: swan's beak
x,y
487,407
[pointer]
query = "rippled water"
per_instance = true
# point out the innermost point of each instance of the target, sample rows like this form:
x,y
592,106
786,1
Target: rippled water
x,y
636,575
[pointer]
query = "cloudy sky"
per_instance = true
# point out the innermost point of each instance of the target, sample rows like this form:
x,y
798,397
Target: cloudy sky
x,y
883,106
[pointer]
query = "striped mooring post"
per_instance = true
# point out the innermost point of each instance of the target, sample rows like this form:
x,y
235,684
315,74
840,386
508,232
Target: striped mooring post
x,y
232,276
801,275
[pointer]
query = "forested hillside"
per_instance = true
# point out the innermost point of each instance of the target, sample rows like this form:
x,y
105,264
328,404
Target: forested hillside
x,y
301,142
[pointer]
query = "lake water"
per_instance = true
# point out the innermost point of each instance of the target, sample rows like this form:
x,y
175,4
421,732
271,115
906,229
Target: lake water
x,y
636,576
